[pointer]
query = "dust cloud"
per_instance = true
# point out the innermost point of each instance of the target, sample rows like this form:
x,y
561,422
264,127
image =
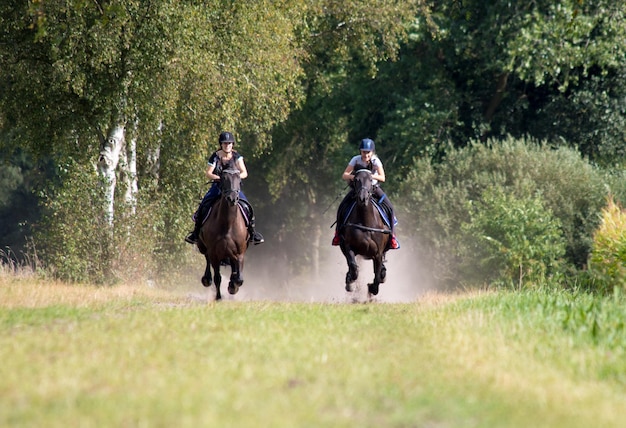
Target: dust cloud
x,y
267,277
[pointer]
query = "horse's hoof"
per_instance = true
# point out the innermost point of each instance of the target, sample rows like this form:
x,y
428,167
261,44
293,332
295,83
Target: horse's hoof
x,y
350,277
349,288
373,289
205,282
233,288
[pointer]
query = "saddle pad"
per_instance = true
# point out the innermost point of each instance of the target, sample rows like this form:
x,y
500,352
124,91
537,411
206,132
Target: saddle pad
x,y
380,209
244,212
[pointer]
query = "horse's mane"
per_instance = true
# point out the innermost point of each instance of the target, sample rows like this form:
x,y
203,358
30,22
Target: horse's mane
x,y
360,166
229,166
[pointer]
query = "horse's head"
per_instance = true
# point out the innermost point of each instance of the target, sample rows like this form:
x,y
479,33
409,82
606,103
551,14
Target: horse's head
x,y
230,182
363,185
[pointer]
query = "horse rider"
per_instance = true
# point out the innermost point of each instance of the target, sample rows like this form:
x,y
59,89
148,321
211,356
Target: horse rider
x,y
369,158
217,161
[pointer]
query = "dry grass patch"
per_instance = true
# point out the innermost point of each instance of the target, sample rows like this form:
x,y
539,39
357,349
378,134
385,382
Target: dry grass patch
x,y
30,292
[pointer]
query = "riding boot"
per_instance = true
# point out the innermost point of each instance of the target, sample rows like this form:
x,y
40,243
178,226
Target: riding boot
x,y
255,236
336,239
193,237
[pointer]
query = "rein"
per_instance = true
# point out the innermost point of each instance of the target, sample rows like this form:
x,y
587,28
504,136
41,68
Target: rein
x,y
227,192
369,229
368,190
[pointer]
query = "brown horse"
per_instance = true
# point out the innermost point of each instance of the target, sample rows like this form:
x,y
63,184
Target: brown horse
x,y
364,233
224,236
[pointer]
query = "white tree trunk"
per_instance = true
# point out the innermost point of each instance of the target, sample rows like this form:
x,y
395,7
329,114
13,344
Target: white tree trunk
x,y
110,152
133,188
128,169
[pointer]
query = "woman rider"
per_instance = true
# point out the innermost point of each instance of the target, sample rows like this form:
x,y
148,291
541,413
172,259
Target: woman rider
x,y
373,162
216,163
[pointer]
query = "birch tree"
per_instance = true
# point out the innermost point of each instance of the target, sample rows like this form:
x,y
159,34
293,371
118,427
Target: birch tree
x,y
101,82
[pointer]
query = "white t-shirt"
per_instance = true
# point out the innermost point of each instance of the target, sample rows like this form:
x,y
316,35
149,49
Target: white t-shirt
x,y
376,163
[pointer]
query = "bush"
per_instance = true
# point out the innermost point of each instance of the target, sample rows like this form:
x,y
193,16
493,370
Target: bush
x,y
511,240
74,241
607,263
439,196
77,244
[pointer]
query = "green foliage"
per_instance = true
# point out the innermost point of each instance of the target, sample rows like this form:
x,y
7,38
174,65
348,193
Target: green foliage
x,y
345,44
510,240
301,81
438,198
548,70
592,117
180,71
563,40
73,240
607,263
76,244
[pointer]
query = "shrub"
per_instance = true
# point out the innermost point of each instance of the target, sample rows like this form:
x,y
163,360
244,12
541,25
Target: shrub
x,y
74,241
607,263
511,240
77,244
438,196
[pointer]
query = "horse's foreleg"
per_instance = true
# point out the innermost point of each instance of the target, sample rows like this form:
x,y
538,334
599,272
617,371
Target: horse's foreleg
x,y
236,277
378,267
206,279
353,268
218,280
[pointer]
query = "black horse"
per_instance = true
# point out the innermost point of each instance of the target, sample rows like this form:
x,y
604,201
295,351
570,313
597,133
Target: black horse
x,y
364,232
224,236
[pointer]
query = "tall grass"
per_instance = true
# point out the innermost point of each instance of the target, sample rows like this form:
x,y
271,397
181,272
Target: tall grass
x,y
132,356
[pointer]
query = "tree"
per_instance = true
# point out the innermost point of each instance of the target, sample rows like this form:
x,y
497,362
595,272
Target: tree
x,y
107,81
345,43
477,70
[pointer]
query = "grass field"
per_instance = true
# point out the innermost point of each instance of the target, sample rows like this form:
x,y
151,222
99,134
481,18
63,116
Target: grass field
x,y
130,356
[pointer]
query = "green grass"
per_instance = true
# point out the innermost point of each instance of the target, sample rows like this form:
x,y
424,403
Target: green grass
x,y
129,356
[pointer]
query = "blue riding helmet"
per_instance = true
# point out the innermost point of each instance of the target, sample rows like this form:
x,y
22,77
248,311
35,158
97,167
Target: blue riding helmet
x,y
367,144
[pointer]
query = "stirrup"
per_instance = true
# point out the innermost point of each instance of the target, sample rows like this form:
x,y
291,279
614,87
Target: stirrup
x,y
192,238
257,238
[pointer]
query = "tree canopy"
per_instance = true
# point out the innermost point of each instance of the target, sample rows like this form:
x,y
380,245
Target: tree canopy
x,y
141,89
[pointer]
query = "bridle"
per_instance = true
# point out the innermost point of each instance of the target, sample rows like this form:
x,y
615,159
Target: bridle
x,y
231,194
360,188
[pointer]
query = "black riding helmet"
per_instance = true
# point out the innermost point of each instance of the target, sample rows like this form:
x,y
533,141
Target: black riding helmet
x,y
226,137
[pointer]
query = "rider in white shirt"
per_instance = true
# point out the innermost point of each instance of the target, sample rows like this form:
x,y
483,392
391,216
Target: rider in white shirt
x,y
369,158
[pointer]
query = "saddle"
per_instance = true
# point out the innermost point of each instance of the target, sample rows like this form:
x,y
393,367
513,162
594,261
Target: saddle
x,y
384,212
244,207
